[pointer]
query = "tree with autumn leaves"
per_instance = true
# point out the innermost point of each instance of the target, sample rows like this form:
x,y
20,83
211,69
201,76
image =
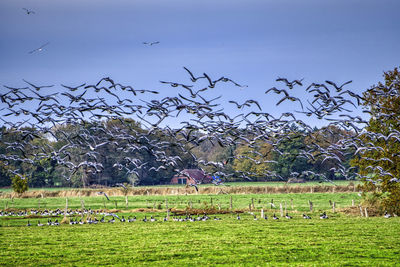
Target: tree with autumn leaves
x,y
378,159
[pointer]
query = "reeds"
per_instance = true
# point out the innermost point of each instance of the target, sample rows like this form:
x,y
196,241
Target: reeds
x,y
208,190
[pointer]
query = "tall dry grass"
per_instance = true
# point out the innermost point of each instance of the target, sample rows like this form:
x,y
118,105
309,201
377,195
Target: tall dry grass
x,y
211,190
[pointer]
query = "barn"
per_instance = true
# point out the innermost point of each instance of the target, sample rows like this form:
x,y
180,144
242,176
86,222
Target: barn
x,y
191,176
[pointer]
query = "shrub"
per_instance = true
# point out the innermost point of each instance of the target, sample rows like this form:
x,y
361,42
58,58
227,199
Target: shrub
x,y
19,184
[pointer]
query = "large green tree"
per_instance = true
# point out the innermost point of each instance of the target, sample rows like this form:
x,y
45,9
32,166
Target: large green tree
x,y
379,161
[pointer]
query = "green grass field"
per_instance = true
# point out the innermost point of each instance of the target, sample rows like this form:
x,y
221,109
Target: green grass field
x,y
340,240
321,201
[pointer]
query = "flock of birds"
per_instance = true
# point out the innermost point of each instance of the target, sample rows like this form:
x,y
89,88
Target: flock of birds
x,y
89,217
35,114
39,111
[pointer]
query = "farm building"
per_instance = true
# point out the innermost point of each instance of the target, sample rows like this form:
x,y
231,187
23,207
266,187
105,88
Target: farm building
x,y
191,176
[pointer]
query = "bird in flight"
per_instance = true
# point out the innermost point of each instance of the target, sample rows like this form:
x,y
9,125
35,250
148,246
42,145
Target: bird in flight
x,y
195,186
103,193
151,43
39,49
28,12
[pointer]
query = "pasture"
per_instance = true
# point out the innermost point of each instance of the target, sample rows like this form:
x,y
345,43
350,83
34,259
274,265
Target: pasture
x,y
342,239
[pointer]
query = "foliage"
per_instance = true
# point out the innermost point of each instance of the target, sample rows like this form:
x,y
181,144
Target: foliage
x,y
252,160
289,163
19,184
5,179
378,167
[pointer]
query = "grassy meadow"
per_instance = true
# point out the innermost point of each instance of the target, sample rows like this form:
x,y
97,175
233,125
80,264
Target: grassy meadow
x,y
343,239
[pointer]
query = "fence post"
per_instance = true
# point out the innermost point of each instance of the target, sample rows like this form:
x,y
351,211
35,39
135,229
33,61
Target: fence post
x,y
361,211
366,212
333,207
262,213
352,202
126,201
166,206
66,207
311,205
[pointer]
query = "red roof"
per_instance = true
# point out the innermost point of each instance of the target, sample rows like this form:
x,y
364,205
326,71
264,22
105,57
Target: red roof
x,y
197,175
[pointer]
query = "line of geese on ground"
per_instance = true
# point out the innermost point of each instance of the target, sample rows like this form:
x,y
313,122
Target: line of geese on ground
x,y
130,219
46,212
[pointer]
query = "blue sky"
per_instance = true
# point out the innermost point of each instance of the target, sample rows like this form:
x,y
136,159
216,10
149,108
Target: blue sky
x,y
250,41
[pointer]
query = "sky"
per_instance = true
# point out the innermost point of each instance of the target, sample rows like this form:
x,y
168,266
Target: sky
x,y
253,42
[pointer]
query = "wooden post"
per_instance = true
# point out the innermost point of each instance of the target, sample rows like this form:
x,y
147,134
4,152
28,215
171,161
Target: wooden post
x,y
82,204
333,207
272,203
352,202
311,189
66,207
154,205
311,205
252,203
262,214
166,206
126,201
249,207
219,206
281,208
361,211
116,205
366,212
330,203
231,203
191,205
211,201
